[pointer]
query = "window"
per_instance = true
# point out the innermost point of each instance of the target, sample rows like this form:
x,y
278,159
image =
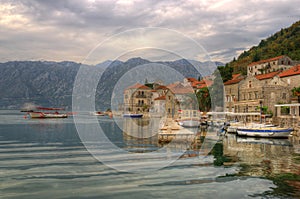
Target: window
x,y
250,84
283,95
249,96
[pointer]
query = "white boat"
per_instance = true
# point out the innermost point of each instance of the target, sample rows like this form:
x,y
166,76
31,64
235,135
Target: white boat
x,y
272,132
98,113
233,126
47,115
42,114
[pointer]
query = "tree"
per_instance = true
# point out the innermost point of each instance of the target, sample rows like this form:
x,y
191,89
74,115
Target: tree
x,y
225,72
296,92
256,57
204,99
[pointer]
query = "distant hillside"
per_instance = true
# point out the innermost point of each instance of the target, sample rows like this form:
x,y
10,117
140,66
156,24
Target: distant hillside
x,y
284,42
51,83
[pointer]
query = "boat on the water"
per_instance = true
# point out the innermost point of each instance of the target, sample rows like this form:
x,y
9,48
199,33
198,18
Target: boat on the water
x,y
133,115
51,113
98,113
232,126
272,132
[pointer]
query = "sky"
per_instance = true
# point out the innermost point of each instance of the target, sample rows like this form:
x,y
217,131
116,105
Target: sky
x,y
82,30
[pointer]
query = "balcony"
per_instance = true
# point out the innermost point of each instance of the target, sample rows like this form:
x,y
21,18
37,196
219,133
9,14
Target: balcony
x,y
140,96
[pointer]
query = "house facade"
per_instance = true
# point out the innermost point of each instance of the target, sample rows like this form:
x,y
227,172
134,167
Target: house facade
x,y
246,95
232,92
269,65
137,98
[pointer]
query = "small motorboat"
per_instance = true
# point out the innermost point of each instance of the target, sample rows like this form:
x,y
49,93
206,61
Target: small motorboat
x,y
98,113
272,132
133,115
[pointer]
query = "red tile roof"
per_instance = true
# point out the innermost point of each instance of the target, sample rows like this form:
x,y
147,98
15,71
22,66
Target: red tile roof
x,y
191,79
233,81
160,98
138,86
266,60
178,88
290,72
235,76
161,87
267,76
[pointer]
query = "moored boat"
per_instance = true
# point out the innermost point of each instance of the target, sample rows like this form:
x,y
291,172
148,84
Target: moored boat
x,y
52,114
133,115
98,113
273,132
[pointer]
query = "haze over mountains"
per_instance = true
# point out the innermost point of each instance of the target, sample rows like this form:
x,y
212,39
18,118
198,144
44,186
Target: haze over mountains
x,y
48,83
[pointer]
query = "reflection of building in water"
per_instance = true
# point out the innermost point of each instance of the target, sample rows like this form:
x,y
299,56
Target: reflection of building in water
x,y
265,156
137,129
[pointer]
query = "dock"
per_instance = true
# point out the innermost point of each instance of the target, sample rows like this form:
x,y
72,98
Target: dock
x,y
171,131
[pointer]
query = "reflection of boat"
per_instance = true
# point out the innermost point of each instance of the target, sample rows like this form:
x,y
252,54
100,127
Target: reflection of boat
x,y
190,123
282,142
133,115
275,132
42,114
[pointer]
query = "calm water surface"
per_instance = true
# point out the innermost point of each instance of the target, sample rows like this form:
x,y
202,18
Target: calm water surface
x,y
47,159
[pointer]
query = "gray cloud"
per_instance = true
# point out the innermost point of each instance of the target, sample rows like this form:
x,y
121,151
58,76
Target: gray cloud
x,y
69,29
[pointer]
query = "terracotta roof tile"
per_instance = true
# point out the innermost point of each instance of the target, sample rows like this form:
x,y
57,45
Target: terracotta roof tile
x,y
267,76
138,86
178,88
290,72
233,81
191,79
235,76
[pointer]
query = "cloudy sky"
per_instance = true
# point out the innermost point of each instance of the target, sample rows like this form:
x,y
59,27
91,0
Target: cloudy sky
x,y
60,30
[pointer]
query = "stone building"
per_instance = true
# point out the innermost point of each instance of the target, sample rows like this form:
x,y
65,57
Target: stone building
x,y
137,98
291,76
269,65
267,89
232,92
179,96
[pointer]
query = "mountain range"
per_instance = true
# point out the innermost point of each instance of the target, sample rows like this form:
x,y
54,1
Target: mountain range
x,y
46,83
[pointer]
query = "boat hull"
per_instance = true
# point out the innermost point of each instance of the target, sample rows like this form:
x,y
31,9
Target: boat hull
x,y
47,115
265,132
133,115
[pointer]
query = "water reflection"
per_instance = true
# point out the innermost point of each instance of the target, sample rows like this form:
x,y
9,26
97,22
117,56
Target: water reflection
x,y
262,156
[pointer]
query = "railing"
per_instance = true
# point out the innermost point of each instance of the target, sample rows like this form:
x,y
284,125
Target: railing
x,y
141,96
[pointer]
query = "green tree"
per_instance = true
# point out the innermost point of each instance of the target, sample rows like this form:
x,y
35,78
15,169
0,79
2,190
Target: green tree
x,y
225,72
296,92
204,99
256,57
